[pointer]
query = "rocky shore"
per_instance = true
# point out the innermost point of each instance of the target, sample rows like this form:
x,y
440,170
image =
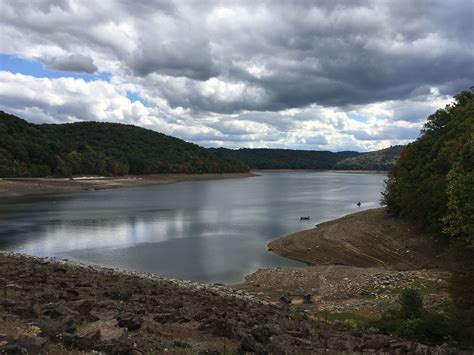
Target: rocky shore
x,y
54,306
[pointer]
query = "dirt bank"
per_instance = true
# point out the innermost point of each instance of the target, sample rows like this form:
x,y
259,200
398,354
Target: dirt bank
x,y
57,307
29,186
366,239
359,264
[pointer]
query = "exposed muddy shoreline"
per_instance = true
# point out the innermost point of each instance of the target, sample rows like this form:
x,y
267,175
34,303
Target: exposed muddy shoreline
x,y
358,263
32,186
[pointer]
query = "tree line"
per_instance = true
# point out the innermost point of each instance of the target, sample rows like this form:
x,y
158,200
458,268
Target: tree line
x,y
432,182
109,149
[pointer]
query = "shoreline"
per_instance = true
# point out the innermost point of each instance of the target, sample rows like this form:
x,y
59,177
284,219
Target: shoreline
x,y
56,306
357,264
378,172
368,238
14,187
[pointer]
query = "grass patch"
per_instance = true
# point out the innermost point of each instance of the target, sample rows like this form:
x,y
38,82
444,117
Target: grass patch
x,y
350,319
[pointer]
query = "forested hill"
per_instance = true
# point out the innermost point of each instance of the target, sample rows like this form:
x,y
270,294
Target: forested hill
x,y
34,150
383,159
309,159
28,150
262,158
433,181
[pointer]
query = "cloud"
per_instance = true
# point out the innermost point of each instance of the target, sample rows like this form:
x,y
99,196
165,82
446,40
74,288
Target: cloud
x,y
265,73
76,63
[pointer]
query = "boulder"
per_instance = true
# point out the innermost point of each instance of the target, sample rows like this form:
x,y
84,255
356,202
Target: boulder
x,y
262,333
129,321
103,330
218,327
12,291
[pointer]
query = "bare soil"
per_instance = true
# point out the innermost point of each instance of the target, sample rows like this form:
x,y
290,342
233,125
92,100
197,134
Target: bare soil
x,y
369,238
358,265
29,186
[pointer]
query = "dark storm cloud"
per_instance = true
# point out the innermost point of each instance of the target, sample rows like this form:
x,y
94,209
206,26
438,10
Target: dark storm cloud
x,y
176,59
77,63
332,53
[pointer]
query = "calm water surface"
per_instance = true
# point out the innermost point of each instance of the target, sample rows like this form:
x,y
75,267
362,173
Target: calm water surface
x,y
209,231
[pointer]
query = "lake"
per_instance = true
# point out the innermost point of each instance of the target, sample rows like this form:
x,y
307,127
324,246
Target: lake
x,y
207,231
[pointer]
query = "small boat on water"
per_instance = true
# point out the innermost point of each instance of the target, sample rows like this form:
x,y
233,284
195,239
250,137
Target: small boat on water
x,y
304,218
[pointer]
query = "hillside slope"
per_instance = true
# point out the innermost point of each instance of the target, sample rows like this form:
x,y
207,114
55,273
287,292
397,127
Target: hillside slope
x,y
262,158
383,159
433,181
29,150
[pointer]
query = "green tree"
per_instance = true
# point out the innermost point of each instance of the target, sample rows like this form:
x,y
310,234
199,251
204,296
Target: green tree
x,y
411,303
432,182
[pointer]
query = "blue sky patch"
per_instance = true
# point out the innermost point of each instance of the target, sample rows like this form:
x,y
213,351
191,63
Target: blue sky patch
x,y
133,96
357,117
35,68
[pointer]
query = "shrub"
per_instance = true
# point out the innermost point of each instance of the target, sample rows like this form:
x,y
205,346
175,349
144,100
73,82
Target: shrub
x,y
412,321
411,302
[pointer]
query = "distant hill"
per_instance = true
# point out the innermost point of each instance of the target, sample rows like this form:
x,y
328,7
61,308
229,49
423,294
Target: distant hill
x,y
286,158
383,159
30,150
308,159
35,150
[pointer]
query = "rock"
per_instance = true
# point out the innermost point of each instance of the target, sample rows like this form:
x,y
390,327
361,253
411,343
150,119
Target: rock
x,y
218,327
121,295
59,269
53,327
84,307
200,316
209,352
13,349
304,342
129,321
247,345
308,298
262,334
72,292
285,299
176,304
164,318
12,291
56,310
24,311
32,344
102,330
181,344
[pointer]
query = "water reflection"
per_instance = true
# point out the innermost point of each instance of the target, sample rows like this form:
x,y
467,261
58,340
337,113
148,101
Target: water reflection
x,y
213,231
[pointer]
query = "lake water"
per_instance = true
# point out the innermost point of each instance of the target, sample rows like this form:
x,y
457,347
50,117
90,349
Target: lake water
x,y
208,231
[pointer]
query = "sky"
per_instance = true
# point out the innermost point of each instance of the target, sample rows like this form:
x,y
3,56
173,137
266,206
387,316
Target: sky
x,y
315,75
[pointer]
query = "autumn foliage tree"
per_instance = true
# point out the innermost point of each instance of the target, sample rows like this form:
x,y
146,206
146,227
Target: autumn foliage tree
x,y
433,180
